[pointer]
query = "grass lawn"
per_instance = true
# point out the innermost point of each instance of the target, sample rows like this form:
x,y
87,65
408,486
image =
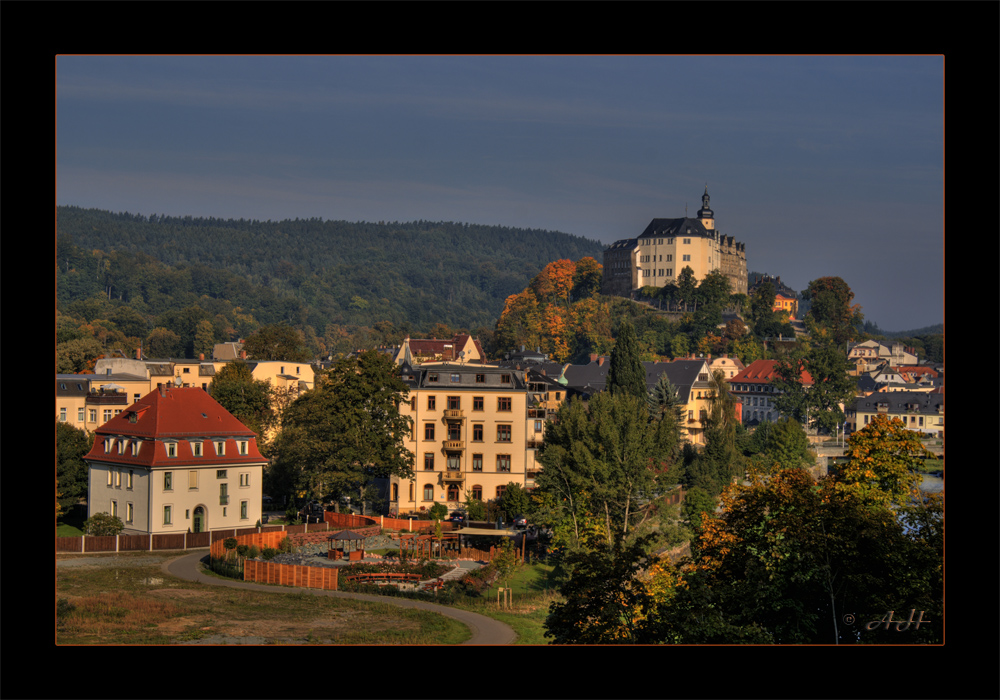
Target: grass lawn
x,y
532,593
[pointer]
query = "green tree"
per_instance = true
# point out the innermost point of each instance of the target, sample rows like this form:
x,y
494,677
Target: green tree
x,y
832,386
787,444
831,310
697,502
250,400
514,500
277,342
347,431
626,373
72,445
604,601
77,355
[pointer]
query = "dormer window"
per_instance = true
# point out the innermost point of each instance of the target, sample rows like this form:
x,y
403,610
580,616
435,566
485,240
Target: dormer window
x,y
243,447
196,449
220,448
108,444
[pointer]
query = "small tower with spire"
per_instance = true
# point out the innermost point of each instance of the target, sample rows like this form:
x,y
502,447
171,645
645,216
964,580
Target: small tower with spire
x,y
706,214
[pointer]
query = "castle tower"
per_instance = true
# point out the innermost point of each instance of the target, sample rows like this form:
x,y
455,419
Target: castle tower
x,y
706,214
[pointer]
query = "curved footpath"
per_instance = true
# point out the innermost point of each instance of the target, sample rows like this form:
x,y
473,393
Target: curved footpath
x,y
485,630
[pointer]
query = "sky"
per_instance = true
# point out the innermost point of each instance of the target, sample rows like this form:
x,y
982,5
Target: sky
x,y
821,165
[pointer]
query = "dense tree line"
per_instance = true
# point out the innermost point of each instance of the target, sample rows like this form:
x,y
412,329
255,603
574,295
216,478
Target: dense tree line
x,y
183,283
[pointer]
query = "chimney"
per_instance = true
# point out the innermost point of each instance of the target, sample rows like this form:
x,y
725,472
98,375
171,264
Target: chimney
x,y
593,357
600,361
138,353
243,354
201,356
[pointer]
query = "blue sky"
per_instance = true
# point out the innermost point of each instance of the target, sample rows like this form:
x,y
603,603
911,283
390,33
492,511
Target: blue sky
x,y
821,165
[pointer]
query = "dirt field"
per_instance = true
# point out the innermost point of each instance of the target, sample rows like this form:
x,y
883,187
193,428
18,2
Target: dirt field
x,y
127,599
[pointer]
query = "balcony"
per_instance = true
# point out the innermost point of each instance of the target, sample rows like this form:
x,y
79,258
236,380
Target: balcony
x,y
452,476
453,414
454,444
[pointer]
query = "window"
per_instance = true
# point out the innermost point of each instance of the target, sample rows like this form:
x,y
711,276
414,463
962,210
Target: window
x,y
687,241
193,479
135,448
500,490
538,426
480,379
81,414
503,433
171,449
128,479
454,431
505,379
432,377
431,403
108,414
220,474
167,515
108,444
243,445
128,512
477,463
454,462
121,447
687,258
220,448
452,492
428,461
477,432
429,492
245,479
93,415
428,431
477,403
118,478
223,494
196,449
243,510
503,463
503,403
477,492
114,509
109,477
454,403
168,480
62,415
456,378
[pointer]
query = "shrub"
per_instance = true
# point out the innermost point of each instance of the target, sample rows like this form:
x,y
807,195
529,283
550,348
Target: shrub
x,y
253,552
286,546
243,550
269,553
103,524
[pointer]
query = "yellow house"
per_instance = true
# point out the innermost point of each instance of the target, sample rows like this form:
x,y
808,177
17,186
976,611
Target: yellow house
x,y
786,303
471,434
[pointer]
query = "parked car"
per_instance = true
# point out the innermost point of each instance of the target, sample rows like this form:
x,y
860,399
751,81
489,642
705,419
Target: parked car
x,y
458,516
520,521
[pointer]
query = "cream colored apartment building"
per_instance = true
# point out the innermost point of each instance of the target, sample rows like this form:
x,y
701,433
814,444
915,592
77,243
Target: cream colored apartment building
x,y
472,434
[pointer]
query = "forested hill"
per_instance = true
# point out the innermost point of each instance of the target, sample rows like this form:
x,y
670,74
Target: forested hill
x,y
307,272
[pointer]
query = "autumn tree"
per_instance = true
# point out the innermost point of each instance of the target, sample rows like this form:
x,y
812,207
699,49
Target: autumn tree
x,y
786,556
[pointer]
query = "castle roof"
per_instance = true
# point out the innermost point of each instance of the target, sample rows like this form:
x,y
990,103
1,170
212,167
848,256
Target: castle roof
x,y
676,228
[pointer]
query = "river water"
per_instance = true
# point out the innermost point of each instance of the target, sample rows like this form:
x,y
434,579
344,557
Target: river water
x,y
932,484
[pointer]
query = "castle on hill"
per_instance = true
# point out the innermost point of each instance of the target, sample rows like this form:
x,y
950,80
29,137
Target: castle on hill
x,y
657,256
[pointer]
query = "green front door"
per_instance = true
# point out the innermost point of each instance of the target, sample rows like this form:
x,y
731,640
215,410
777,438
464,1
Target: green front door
x,y
199,519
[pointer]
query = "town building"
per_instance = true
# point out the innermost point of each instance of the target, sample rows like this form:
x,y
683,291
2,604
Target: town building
x,y
658,255
175,461
754,389
474,432
921,412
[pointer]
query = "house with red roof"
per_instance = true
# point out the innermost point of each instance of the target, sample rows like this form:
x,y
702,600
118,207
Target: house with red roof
x,y
754,389
176,461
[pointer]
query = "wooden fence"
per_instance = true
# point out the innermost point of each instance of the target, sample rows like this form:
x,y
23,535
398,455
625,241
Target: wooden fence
x,y
291,574
183,540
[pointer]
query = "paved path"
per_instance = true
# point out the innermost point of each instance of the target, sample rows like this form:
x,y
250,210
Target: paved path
x,y
485,630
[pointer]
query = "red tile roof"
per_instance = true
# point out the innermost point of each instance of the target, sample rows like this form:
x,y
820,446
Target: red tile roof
x,y
185,414
763,371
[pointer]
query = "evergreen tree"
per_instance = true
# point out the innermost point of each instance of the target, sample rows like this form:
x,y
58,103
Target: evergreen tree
x,y
626,373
